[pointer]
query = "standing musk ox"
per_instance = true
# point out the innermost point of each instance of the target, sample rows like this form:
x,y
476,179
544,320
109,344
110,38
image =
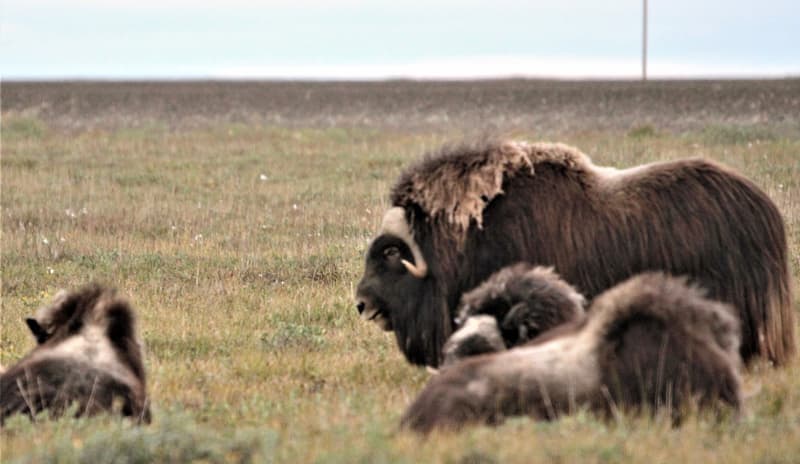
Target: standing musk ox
x,y
650,344
462,214
87,354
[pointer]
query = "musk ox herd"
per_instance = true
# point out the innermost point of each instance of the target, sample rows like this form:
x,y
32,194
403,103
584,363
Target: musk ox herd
x,y
527,279
484,263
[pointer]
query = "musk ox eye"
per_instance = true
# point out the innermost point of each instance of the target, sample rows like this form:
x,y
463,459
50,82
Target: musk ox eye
x,y
391,252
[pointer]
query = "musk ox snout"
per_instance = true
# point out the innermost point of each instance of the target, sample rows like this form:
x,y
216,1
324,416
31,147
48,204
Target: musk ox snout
x,y
478,335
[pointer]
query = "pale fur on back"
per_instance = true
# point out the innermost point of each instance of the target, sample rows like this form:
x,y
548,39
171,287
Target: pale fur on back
x,y
711,320
459,197
563,370
91,344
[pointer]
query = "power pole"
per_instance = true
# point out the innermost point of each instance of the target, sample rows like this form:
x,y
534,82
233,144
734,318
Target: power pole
x,y
644,41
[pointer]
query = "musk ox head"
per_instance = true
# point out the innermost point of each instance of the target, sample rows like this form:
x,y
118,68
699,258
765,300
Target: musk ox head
x,y
512,307
88,353
397,282
526,300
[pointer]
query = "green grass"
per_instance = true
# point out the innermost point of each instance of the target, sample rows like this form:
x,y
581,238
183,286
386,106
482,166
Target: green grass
x,y
240,246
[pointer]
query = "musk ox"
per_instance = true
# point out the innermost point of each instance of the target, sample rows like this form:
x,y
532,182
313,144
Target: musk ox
x,y
513,306
87,353
650,344
459,215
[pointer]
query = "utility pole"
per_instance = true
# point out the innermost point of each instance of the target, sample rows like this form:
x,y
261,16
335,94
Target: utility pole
x,y
644,41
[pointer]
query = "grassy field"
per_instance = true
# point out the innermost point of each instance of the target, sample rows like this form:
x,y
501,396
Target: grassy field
x,y
235,218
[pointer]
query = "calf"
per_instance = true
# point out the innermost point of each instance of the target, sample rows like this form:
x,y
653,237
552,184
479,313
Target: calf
x,y
87,354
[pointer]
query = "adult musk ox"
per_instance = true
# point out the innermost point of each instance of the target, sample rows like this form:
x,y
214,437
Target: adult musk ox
x,y
87,354
513,306
650,344
462,214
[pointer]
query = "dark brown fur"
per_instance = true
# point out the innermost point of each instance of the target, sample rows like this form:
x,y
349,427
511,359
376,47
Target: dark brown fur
x,y
476,209
513,306
102,371
649,344
525,300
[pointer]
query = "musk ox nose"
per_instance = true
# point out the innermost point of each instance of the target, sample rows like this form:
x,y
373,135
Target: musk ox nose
x,y
360,306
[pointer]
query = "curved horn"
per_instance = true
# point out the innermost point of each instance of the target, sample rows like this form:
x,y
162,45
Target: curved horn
x,y
417,271
395,223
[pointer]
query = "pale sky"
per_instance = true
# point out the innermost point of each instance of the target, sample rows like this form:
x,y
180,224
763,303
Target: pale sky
x,y
353,39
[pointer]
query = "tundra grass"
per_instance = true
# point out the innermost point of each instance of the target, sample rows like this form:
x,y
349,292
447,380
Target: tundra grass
x,y
239,246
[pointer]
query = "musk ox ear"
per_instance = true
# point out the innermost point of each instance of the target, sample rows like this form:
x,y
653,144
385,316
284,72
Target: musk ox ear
x,y
395,223
520,321
37,330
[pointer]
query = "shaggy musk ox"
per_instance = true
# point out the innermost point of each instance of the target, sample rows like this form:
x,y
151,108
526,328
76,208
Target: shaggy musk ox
x,y
650,344
462,214
513,306
87,354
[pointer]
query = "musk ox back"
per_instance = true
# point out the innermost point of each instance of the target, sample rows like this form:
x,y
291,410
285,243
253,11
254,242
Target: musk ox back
x,y
650,344
87,354
462,214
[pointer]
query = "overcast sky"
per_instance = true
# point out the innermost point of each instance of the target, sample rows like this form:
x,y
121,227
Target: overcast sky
x,y
396,38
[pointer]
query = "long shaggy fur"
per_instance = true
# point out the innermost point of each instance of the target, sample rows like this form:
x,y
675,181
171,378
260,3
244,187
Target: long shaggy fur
x,y
526,300
514,305
476,209
87,354
649,344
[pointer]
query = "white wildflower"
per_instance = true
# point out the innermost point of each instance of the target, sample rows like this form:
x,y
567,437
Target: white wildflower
x,y
263,177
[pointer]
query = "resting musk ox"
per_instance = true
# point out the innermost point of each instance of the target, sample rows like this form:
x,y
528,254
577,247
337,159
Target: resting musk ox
x,y
650,344
513,306
462,214
87,354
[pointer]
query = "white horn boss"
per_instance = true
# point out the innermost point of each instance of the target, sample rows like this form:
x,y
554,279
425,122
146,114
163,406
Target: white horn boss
x,y
395,223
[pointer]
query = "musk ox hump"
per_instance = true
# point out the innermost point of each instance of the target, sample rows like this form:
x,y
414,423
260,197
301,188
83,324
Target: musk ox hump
x,y
673,301
455,184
